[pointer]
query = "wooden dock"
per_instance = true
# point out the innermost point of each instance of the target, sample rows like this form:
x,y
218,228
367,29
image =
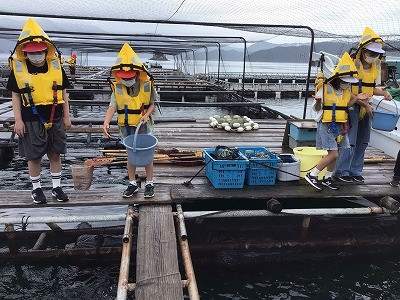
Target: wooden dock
x,y
198,135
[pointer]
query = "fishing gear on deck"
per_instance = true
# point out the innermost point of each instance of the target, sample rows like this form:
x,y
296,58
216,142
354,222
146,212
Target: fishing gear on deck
x,y
224,152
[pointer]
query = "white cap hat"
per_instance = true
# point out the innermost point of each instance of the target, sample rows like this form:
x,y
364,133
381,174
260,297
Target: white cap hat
x,y
375,47
350,79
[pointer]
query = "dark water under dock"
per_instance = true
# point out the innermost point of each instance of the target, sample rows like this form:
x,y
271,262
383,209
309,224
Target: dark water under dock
x,y
361,278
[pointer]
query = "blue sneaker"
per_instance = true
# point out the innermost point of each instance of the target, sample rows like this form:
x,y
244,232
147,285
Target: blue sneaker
x,y
313,181
149,191
130,190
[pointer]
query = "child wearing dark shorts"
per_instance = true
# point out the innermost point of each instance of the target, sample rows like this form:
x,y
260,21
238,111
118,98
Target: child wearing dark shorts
x,y
40,106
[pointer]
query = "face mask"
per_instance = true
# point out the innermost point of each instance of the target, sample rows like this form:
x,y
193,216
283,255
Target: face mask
x,y
128,83
37,58
370,59
344,85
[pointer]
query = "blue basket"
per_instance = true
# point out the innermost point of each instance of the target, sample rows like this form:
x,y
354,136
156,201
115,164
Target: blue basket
x,y
225,174
258,174
302,134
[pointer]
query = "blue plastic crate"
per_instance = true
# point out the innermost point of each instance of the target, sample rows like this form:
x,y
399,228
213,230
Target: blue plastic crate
x,y
225,174
258,174
302,134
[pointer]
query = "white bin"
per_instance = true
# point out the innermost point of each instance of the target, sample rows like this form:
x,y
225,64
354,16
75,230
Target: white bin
x,y
293,166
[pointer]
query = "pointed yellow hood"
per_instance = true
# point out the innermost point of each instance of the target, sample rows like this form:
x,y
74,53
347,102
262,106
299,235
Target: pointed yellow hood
x,y
369,36
32,32
345,68
127,60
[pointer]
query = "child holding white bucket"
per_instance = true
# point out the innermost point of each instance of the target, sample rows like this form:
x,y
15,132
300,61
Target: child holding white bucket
x,y
330,102
133,98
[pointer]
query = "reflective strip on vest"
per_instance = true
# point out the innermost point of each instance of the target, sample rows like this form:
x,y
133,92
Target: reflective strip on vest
x,y
43,33
367,37
135,59
329,89
119,59
18,66
55,64
146,86
118,88
344,68
25,33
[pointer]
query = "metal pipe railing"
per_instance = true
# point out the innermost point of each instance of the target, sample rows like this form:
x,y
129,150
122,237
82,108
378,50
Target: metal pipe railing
x,y
284,212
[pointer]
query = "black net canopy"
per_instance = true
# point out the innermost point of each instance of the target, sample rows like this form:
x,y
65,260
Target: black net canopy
x,y
250,19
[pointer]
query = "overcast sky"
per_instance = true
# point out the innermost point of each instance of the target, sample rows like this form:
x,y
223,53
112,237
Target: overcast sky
x,y
337,17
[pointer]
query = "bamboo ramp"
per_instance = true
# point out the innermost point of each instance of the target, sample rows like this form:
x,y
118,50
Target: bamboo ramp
x,y
157,270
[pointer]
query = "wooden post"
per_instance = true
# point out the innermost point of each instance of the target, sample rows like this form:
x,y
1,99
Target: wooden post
x,y
10,233
274,206
389,203
157,269
39,245
304,228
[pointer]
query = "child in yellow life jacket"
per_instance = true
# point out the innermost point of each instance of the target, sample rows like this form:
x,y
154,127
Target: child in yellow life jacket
x,y
331,101
40,105
72,65
366,59
133,98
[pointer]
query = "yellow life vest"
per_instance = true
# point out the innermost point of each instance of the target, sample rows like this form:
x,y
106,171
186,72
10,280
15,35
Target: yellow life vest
x,y
319,80
330,98
132,105
71,61
366,81
41,85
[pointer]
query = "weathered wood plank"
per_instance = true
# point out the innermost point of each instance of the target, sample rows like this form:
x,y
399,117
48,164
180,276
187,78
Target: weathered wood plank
x,y
157,269
22,198
295,191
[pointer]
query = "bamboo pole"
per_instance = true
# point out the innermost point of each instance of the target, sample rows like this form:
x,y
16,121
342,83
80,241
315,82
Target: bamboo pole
x,y
40,242
187,260
51,220
123,284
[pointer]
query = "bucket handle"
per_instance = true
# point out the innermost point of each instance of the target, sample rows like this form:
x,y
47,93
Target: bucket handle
x,y
394,101
135,136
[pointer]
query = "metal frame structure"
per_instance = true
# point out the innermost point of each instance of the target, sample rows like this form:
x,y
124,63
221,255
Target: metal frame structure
x,y
261,28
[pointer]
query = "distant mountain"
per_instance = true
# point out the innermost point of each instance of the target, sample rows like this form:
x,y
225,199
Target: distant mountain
x,y
268,52
263,45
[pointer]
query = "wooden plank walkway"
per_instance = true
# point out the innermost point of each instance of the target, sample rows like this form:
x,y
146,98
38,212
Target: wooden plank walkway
x,y
157,269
